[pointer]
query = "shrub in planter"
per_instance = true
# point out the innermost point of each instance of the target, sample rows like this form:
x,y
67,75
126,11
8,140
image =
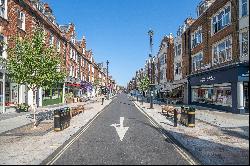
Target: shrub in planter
x,y
22,107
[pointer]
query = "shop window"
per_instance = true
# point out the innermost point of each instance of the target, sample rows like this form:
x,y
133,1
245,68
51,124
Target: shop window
x,y
217,94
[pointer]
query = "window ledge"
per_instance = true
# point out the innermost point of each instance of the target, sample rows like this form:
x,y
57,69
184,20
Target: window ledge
x,y
21,29
222,29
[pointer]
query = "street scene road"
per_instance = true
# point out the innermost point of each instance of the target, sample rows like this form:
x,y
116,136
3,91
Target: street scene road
x,y
126,82
101,144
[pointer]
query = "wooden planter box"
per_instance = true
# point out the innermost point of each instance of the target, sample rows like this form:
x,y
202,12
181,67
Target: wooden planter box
x,y
76,110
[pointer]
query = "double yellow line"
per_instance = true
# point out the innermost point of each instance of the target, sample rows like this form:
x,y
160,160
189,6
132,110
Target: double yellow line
x,y
178,149
59,154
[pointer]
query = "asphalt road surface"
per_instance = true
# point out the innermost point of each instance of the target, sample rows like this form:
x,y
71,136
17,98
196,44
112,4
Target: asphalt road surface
x,y
100,143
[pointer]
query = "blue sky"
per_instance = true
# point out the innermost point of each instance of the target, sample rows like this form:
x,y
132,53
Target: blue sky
x,y
116,30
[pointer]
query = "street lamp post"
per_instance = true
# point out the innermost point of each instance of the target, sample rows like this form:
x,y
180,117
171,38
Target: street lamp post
x,y
151,33
107,79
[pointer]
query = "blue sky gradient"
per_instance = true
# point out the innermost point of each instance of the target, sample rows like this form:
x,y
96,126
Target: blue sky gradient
x,y
116,30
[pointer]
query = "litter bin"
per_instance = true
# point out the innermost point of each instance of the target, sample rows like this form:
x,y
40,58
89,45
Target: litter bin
x,y
188,116
61,118
191,117
57,120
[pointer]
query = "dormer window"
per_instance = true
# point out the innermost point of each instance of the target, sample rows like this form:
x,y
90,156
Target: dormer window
x,y
201,9
20,19
40,7
3,7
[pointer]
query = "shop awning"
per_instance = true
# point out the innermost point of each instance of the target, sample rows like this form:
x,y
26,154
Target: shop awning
x,y
72,84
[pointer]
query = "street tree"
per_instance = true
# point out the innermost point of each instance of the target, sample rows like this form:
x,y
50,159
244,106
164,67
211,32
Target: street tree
x,y
96,84
32,63
144,85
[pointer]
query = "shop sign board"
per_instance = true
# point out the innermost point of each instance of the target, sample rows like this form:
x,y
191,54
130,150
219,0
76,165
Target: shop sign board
x,y
214,77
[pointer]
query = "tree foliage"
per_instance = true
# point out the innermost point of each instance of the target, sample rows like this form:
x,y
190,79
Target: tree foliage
x,y
144,84
32,63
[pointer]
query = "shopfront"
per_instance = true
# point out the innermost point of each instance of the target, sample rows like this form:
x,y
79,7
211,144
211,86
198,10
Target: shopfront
x,y
224,89
8,93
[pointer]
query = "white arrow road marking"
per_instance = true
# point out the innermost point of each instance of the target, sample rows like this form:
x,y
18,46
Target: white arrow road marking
x,y
120,129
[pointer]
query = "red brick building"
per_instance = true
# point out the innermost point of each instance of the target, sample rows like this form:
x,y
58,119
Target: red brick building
x,y
19,18
216,70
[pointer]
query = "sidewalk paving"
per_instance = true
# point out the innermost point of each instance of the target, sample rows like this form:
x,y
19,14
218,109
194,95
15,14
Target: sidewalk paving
x,y
26,149
217,138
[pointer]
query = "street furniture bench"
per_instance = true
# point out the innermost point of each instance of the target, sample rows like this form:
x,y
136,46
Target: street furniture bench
x,y
167,109
76,110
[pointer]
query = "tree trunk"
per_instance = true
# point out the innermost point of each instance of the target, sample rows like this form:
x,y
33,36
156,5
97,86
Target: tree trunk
x,y
33,106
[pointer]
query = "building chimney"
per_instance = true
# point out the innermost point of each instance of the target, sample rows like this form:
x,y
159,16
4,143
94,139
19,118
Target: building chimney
x,y
47,8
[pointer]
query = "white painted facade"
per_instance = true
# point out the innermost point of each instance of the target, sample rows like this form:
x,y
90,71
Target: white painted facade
x,y
243,27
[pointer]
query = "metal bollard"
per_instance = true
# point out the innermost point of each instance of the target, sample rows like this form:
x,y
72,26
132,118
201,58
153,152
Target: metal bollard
x,y
136,98
102,100
57,120
175,118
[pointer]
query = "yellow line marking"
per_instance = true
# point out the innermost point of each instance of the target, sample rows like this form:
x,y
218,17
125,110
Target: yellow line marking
x,y
178,149
72,141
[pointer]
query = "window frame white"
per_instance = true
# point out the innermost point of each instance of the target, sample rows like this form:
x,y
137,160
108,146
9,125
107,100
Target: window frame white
x,y
58,45
5,7
177,68
197,36
22,20
51,40
241,8
241,43
225,50
216,15
201,61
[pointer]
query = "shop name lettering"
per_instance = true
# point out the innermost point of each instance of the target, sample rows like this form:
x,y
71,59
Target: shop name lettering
x,y
245,75
204,79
